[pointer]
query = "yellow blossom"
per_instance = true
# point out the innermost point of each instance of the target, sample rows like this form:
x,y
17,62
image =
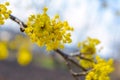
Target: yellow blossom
x,y
100,70
52,33
88,46
7,3
4,12
88,50
86,64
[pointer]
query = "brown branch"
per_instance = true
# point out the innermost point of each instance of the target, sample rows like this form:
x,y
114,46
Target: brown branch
x,y
68,63
81,57
66,57
75,74
80,74
87,59
71,71
22,24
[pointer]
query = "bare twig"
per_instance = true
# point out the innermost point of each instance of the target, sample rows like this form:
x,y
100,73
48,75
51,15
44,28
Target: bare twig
x,y
22,25
71,71
81,56
66,57
75,74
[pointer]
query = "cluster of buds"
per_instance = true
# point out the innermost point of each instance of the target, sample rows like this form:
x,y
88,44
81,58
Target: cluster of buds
x,y
52,33
99,68
4,12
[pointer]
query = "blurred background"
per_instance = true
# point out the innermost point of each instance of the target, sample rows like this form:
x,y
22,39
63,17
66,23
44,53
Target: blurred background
x,y
90,18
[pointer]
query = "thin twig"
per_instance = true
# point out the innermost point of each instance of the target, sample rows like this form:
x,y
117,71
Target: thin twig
x,y
22,25
87,59
71,71
74,74
66,57
81,56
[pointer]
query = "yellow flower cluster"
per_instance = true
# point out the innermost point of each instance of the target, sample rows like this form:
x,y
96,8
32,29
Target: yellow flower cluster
x,y
52,33
101,70
4,12
88,50
88,46
3,51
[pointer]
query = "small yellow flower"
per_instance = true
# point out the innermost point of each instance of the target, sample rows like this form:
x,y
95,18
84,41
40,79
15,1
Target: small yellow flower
x,y
88,46
45,9
7,3
88,49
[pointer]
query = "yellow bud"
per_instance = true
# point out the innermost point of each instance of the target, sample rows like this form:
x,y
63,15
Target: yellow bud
x,y
4,12
45,9
57,16
7,3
